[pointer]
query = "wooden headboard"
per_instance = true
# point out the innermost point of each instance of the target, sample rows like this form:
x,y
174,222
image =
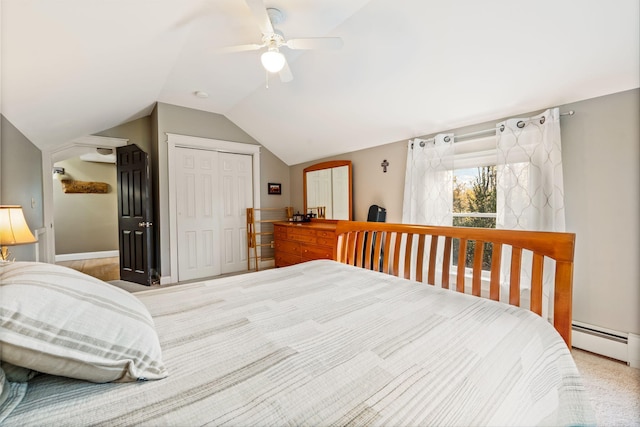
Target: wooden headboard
x,y
380,246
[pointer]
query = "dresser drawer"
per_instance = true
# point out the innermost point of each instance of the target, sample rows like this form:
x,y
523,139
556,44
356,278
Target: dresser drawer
x,y
280,232
317,252
326,234
296,243
302,237
283,259
302,230
287,246
326,241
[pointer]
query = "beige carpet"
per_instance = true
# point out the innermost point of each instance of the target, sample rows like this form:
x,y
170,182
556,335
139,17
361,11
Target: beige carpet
x,y
613,386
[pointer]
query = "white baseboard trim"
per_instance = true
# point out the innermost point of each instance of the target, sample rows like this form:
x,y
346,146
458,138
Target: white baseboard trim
x,y
603,346
87,255
634,350
617,345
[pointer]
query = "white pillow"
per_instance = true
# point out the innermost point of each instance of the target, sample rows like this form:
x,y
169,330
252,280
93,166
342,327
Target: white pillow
x,y
59,321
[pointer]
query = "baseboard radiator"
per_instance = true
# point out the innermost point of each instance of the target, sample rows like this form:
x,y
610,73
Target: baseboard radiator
x,y
614,344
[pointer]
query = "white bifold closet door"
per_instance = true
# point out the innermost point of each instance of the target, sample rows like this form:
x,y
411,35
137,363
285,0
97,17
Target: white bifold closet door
x,y
213,191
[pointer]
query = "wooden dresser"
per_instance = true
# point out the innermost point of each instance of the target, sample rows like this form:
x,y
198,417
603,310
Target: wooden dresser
x,y
300,242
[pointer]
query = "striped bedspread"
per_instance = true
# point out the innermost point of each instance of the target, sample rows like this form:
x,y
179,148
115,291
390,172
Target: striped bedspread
x,y
323,343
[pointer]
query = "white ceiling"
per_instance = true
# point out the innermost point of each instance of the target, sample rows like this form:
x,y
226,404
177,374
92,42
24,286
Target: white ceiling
x,y
408,67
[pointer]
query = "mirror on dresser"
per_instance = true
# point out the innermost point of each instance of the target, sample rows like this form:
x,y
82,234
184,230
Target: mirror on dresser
x,y
327,189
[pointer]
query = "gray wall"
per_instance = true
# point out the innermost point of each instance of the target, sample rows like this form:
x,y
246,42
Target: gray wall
x,y
21,181
94,216
136,131
601,156
601,159
186,121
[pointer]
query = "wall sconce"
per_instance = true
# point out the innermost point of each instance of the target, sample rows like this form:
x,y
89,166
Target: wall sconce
x,y
13,229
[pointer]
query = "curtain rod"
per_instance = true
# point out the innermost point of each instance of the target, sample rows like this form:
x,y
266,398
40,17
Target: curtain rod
x,y
481,132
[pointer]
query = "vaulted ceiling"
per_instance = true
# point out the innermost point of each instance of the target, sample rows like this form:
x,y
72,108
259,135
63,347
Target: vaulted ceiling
x,y
407,67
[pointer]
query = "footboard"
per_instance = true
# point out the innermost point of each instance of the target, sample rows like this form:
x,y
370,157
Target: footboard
x,y
431,254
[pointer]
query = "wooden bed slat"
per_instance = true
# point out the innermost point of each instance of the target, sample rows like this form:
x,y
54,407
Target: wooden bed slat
x,y
387,253
433,253
536,283
359,248
368,249
396,254
462,257
477,268
558,246
514,276
446,262
408,259
496,263
420,263
376,250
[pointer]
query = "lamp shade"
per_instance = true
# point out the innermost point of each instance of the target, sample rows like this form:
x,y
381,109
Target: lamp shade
x,y
273,60
13,227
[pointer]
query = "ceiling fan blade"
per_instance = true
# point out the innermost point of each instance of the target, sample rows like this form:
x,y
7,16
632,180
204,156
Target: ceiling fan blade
x,y
240,48
285,73
315,43
260,13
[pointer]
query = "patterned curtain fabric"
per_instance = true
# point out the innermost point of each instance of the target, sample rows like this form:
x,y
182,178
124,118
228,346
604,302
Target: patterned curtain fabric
x,y
428,185
530,191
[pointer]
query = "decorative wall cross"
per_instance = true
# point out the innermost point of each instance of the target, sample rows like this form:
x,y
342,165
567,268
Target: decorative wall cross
x,y
384,165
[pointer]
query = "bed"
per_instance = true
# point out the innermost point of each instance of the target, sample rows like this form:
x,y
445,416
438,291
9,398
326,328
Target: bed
x,y
349,341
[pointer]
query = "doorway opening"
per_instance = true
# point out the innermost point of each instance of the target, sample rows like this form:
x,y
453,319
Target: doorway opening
x,y
78,218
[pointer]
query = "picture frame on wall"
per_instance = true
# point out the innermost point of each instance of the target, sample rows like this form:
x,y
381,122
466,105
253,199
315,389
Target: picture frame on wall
x,y
274,188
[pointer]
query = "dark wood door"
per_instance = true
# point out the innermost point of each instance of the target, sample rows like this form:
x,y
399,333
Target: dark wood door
x,y
135,216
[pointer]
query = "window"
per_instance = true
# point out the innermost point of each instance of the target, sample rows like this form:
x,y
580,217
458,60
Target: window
x,y
474,193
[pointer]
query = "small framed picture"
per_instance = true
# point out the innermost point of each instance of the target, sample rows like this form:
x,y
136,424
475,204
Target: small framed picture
x,y
275,188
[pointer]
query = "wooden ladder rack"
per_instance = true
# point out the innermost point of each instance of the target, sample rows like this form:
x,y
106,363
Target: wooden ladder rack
x,y
260,233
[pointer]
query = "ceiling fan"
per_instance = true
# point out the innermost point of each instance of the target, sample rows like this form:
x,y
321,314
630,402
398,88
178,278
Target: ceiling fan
x,y
273,40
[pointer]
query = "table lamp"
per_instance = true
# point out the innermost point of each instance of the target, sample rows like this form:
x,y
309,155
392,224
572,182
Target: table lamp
x,y
13,229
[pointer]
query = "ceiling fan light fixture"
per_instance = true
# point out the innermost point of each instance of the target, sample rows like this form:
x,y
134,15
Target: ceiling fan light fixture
x,y
273,60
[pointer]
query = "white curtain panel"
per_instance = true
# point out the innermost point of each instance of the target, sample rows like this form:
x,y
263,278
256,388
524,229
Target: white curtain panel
x,y
530,193
530,190
428,184
428,190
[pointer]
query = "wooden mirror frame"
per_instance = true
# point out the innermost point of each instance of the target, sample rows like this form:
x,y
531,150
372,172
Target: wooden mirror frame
x,y
329,165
